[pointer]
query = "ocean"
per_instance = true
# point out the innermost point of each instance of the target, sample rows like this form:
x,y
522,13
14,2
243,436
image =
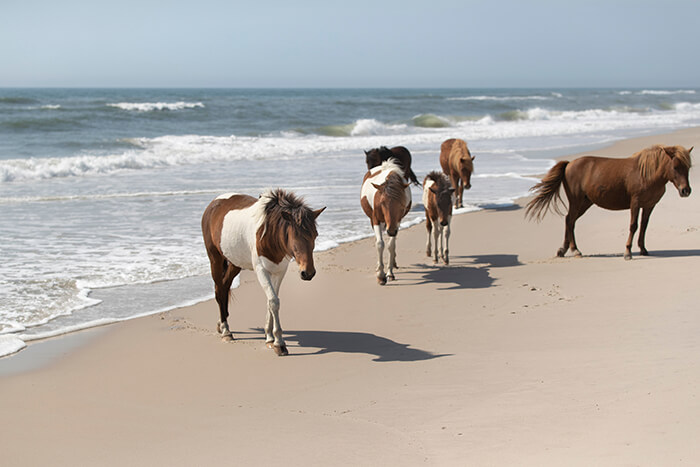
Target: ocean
x,y
102,190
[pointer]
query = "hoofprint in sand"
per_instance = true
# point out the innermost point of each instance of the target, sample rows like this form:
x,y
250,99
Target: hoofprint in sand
x,y
508,356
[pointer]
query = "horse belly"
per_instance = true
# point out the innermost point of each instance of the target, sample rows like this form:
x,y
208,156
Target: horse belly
x,y
614,198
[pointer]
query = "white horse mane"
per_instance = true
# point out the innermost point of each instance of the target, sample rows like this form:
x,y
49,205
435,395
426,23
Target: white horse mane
x,y
259,210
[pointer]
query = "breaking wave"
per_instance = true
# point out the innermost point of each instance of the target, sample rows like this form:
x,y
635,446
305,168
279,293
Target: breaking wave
x,y
153,106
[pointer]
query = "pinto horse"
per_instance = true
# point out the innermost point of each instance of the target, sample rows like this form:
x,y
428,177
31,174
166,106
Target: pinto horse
x,y
263,234
375,157
386,199
437,200
458,164
637,182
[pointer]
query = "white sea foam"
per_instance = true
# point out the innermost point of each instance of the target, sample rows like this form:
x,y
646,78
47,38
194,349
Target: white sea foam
x,y
656,92
370,126
10,344
181,150
151,106
504,98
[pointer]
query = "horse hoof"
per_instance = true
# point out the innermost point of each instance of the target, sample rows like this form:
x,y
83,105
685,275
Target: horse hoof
x,y
644,252
391,277
628,256
447,261
280,350
561,252
577,254
381,280
227,338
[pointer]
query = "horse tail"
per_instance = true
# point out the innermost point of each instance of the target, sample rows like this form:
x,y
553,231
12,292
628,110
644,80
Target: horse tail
x,y
412,177
547,192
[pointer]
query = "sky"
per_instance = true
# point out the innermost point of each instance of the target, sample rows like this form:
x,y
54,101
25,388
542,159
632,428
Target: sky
x,y
309,43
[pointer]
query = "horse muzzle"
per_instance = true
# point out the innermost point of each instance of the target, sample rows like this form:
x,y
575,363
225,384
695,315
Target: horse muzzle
x,y
392,233
308,275
684,192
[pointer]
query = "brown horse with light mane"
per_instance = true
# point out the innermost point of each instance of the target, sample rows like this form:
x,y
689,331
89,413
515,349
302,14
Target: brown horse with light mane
x,y
458,164
259,234
375,157
634,183
386,199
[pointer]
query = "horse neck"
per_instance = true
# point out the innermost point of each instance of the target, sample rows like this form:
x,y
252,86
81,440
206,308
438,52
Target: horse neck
x,y
272,241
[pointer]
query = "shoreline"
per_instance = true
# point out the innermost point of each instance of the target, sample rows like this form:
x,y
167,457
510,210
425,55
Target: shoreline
x,y
507,356
100,323
603,149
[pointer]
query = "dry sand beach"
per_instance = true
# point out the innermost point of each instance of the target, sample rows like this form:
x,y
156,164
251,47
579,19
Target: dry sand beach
x,y
508,356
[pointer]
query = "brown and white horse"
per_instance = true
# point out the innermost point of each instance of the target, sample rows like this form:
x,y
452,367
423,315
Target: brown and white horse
x,y
437,200
386,199
458,164
262,235
634,183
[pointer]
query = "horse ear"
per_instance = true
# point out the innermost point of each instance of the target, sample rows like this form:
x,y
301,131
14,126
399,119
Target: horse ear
x,y
433,189
406,185
670,151
318,212
378,187
691,148
473,157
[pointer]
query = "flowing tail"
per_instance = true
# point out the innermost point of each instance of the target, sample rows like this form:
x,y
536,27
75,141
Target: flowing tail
x,y
547,191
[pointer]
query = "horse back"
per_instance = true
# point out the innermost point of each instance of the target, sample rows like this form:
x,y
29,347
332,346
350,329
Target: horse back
x,y
445,150
215,214
608,182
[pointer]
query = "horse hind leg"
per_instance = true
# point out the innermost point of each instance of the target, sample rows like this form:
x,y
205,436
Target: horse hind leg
x,y
576,210
223,273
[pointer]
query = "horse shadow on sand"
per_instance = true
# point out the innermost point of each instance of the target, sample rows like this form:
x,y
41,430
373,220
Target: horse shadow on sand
x,y
463,272
383,349
652,254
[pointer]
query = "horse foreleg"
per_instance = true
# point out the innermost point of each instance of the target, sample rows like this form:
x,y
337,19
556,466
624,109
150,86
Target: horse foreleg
x,y
273,328
391,245
446,235
381,276
455,180
646,213
429,227
460,193
634,215
437,231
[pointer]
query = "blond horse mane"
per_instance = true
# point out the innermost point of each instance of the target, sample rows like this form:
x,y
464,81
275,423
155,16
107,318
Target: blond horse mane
x,y
459,148
652,158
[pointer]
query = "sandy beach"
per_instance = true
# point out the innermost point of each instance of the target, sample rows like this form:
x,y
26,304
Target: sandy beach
x,y
508,356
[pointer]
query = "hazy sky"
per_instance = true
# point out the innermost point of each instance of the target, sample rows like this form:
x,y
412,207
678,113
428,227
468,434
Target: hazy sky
x,y
327,43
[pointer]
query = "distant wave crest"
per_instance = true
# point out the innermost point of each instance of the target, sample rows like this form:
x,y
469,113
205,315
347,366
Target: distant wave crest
x,y
504,98
154,106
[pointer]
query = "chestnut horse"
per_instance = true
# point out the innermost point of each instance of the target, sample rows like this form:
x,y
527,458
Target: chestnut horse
x,y
437,200
386,199
263,234
458,164
634,183
375,157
